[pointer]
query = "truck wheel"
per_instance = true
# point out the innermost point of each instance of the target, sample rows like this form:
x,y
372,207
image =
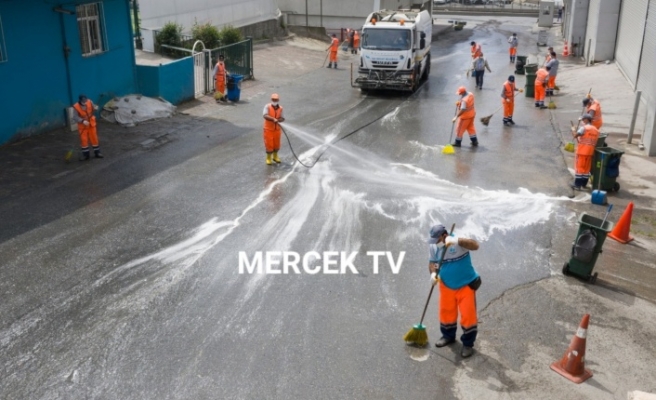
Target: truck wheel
x,y
566,269
428,66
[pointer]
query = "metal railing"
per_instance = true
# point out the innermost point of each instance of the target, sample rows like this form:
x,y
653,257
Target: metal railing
x,y
486,6
238,57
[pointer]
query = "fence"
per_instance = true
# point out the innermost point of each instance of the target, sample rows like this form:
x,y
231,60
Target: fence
x,y
238,57
489,6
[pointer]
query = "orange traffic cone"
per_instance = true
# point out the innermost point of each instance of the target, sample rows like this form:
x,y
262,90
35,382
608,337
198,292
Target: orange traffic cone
x,y
566,49
621,230
572,365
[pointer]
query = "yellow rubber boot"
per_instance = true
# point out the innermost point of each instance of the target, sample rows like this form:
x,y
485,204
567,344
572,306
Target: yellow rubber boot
x,y
275,157
268,159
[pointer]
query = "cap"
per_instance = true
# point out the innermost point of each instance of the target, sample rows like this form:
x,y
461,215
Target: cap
x,y
334,35
587,116
586,101
514,34
436,233
275,96
511,78
472,43
82,98
461,90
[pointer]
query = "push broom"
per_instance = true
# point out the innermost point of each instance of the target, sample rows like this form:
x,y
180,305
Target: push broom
x,y
448,149
417,335
486,120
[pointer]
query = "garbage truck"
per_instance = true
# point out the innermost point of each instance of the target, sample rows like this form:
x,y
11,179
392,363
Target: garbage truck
x,y
394,50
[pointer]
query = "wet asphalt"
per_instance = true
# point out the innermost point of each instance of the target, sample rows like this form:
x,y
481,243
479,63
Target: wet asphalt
x,y
129,288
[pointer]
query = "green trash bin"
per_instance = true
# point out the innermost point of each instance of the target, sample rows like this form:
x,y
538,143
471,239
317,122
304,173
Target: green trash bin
x,y
585,251
519,65
529,90
606,169
531,68
601,142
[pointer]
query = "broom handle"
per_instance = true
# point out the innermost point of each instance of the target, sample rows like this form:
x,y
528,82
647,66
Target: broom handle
x,y
501,106
433,286
453,124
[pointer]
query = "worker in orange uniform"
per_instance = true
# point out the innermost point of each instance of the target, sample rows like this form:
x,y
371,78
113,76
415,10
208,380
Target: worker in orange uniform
x,y
514,42
587,136
547,57
458,281
508,100
333,48
86,127
273,116
465,117
476,50
220,76
356,42
553,73
541,80
593,108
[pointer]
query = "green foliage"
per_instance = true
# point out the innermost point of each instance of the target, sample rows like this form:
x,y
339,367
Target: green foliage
x,y
230,34
170,34
208,34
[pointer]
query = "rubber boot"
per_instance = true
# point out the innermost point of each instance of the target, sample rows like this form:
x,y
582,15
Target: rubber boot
x,y
97,153
458,143
85,155
335,65
275,157
474,142
268,159
511,120
329,65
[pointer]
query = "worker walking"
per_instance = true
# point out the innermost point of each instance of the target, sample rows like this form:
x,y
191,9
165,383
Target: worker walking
x,y
541,79
86,126
553,72
587,136
356,42
508,100
458,282
465,117
333,48
220,77
476,50
513,47
593,108
479,64
273,116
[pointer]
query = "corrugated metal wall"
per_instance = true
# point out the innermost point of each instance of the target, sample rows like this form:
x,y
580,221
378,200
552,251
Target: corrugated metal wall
x,y
648,59
630,36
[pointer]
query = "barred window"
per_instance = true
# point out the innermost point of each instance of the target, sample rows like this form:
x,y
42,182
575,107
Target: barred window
x,y
89,18
3,48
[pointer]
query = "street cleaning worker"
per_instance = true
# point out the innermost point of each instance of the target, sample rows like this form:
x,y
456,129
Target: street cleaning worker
x,y
553,72
541,79
513,47
458,281
547,58
593,107
273,116
586,136
476,50
479,64
508,100
220,77
86,126
465,117
334,47
356,42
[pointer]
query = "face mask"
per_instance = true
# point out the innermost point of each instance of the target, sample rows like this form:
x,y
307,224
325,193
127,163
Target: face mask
x,y
440,245
274,103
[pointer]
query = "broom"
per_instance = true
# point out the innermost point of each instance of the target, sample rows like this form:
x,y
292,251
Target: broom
x,y
448,149
417,335
551,105
486,120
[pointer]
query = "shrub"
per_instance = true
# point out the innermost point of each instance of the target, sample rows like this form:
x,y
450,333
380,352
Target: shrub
x,y
208,34
229,35
170,34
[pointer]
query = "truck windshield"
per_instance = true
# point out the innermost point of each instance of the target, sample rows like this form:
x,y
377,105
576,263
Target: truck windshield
x,y
386,39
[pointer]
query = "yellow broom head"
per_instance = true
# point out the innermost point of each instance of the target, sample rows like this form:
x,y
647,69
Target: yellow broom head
x,y
551,105
569,147
68,156
417,336
218,95
448,149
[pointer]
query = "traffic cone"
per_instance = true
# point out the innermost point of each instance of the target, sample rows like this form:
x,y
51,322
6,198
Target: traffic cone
x,y
621,230
572,365
566,49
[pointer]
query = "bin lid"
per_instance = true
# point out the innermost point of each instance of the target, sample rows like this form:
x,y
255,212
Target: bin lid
x,y
595,223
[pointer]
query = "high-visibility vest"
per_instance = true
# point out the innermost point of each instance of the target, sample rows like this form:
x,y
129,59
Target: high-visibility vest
x,y
596,107
509,90
87,114
270,125
356,39
470,112
334,45
220,71
542,76
587,141
476,50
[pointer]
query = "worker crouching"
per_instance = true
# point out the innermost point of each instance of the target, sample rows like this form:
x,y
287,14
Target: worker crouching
x,y
586,136
465,117
273,116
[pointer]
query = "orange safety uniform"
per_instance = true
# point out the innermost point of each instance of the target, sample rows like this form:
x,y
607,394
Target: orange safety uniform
x,y
508,106
334,47
272,130
476,50
597,120
220,77
540,83
87,133
466,119
584,153
356,40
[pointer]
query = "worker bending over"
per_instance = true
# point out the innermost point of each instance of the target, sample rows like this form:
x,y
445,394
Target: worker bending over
x,y
586,136
465,117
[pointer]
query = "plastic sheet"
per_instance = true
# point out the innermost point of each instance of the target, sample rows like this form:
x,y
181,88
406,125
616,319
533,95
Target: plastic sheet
x,y
132,109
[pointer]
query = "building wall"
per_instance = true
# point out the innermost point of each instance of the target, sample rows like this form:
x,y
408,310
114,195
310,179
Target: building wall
x,y
156,13
174,81
603,18
577,19
35,87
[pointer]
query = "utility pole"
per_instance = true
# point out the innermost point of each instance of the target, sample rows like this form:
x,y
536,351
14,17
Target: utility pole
x,y
137,29
306,15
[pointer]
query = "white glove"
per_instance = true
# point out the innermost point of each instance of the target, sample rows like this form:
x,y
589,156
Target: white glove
x,y
434,279
507,100
454,119
85,123
451,240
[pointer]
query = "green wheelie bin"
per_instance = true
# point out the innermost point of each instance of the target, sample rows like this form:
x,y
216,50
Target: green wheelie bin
x,y
606,169
519,65
587,247
529,89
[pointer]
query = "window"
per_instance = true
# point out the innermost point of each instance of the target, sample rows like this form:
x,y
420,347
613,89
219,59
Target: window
x,y
89,18
3,49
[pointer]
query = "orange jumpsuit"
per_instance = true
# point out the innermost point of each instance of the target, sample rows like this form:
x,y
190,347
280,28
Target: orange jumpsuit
x,y
334,47
220,77
597,120
540,84
508,106
87,133
584,153
356,42
272,130
466,119
476,50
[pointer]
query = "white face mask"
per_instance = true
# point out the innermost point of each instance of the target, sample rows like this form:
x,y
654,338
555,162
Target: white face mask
x,y
439,245
275,103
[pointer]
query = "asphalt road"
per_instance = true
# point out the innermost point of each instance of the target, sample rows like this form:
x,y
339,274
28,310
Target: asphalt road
x,y
135,293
